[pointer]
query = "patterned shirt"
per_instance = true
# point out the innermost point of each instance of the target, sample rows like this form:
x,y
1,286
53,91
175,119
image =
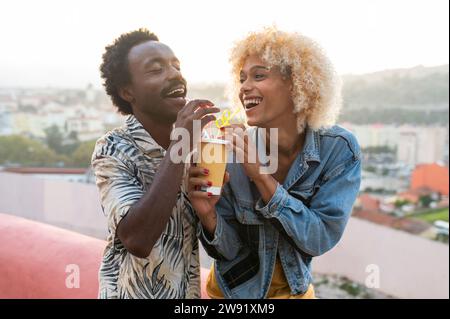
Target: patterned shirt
x,y
125,161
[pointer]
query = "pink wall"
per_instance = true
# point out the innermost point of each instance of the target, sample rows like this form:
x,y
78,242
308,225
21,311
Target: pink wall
x,y
407,266
36,261
34,257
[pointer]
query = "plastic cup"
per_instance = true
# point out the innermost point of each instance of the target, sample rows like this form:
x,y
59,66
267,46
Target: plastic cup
x,y
213,157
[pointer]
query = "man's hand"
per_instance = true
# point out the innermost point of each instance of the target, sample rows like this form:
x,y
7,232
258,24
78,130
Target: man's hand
x,y
200,110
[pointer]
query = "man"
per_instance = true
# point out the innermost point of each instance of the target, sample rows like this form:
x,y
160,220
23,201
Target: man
x,y
152,250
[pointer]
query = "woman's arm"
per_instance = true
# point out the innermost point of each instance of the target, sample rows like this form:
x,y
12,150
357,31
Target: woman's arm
x,y
312,229
316,228
224,243
214,213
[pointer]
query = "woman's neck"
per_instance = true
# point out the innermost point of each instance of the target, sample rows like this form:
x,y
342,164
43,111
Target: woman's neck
x,y
289,142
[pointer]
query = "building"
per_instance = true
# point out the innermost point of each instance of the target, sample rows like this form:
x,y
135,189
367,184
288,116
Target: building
x,y
6,127
432,176
414,144
421,145
367,202
373,135
86,127
412,226
388,183
414,195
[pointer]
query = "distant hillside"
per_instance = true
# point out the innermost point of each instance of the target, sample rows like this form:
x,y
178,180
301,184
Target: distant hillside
x,y
403,88
405,96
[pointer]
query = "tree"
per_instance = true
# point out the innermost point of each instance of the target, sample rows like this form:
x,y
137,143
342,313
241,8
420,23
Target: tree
x,y
81,157
425,200
19,150
379,149
54,138
399,203
73,135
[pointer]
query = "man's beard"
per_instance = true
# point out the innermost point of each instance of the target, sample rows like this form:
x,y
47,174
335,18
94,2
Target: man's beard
x,y
161,114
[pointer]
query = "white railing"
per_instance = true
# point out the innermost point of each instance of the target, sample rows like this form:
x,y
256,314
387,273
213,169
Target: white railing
x,y
73,206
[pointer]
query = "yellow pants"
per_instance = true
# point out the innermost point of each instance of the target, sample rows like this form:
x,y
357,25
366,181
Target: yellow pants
x,y
279,288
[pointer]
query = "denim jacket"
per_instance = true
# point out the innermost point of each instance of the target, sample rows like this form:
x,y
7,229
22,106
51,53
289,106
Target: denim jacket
x,y
306,216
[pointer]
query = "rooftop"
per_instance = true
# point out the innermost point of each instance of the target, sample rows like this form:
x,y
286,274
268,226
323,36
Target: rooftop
x,y
45,170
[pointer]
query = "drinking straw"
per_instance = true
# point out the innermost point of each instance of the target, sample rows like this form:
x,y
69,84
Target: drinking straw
x,y
225,118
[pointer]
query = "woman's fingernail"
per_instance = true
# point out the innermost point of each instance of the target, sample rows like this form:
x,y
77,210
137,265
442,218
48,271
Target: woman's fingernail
x,y
209,183
209,194
206,171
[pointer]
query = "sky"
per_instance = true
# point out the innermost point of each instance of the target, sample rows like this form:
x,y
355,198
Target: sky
x,y
60,43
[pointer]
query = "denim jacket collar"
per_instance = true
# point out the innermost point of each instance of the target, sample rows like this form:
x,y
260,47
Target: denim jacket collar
x,y
311,149
310,153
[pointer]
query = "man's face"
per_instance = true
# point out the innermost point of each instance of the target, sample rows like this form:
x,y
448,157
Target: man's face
x,y
157,86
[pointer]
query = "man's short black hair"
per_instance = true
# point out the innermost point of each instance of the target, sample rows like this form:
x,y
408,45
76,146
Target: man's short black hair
x,y
114,68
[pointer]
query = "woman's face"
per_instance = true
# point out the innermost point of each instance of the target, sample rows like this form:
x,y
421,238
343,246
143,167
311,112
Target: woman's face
x,y
265,94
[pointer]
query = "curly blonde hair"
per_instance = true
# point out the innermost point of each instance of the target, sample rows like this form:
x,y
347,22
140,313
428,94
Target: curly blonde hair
x,y
316,89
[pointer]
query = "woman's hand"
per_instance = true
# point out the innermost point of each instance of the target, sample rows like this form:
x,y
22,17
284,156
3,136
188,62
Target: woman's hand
x,y
203,202
244,149
247,155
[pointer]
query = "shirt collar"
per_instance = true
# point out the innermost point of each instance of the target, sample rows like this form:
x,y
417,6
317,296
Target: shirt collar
x,y
142,138
311,149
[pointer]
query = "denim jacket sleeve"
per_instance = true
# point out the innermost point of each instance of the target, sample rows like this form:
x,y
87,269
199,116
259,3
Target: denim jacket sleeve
x,y
317,228
226,242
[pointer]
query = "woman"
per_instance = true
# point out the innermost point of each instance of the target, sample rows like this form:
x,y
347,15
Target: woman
x,y
264,230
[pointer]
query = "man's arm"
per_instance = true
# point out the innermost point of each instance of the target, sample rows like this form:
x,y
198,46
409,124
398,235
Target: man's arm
x,y
142,226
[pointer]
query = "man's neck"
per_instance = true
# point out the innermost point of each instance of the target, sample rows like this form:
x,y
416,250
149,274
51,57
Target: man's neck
x,y
158,130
